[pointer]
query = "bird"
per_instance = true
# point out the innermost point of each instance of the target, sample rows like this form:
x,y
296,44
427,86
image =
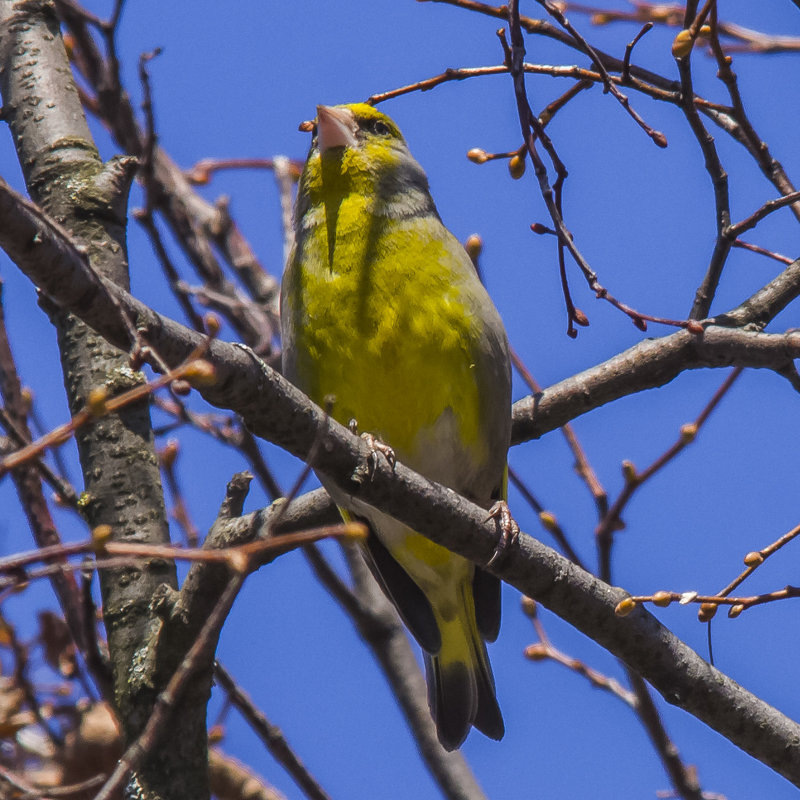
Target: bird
x,y
385,318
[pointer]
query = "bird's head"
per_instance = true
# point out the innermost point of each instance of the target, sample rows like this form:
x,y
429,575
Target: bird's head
x,y
357,149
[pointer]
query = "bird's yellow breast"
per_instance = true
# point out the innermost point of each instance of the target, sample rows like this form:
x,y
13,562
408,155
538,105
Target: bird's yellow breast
x,y
383,326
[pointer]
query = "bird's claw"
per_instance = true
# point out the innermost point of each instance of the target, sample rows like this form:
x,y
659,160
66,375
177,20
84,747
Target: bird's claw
x,y
376,447
509,530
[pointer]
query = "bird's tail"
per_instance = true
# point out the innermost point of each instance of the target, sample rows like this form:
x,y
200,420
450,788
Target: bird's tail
x,y
461,689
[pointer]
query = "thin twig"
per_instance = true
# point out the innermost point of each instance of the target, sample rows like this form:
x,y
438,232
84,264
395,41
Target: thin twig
x,y
200,174
556,71
544,649
754,248
771,205
657,136
90,412
626,61
21,679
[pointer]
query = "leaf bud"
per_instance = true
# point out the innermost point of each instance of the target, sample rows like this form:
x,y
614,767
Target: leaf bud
x,y
474,246
707,612
356,531
535,652
96,402
528,606
688,432
477,155
682,44
624,607
548,520
629,471
660,139
212,323
516,166
101,535
181,387
662,599
200,373
693,326
169,453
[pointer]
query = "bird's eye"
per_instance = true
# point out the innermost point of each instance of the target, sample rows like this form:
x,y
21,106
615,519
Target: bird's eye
x,y
381,128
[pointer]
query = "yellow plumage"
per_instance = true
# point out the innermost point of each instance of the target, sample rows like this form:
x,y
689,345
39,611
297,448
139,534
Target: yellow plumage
x,y
382,310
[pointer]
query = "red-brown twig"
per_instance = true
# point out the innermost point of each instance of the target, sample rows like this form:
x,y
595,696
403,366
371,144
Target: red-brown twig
x,y
180,511
745,40
771,205
104,406
547,518
240,561
200,174
544,649
21,679
102,548
554,11
625,72
556,71
708,602
753,561
533,131
754,248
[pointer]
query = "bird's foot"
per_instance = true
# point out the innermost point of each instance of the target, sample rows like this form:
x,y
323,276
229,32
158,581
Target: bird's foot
x,y
376,448
509,530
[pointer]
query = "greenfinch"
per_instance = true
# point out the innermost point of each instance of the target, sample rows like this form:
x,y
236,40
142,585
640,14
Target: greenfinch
x,y
384,315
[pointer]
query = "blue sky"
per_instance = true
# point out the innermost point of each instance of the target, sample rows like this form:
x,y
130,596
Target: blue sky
x,y
235,80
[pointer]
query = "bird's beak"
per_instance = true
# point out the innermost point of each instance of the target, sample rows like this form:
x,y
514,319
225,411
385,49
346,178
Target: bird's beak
x,y
336,127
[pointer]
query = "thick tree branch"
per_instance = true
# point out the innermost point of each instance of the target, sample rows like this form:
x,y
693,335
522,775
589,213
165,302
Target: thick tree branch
x,y
65,175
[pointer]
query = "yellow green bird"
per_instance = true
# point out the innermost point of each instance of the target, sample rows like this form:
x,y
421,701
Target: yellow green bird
x,y
383,311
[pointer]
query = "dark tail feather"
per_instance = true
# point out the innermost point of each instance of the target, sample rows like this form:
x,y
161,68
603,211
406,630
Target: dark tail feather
x,y
488,719
453,699
461,693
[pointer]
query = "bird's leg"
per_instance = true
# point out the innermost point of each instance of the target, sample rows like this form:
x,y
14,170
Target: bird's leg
x,y
509,530
375,446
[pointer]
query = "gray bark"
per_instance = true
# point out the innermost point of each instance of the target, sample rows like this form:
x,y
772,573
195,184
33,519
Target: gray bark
x,y
66,177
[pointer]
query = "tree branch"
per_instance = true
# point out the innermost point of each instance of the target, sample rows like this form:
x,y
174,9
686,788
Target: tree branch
x,y
65,175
